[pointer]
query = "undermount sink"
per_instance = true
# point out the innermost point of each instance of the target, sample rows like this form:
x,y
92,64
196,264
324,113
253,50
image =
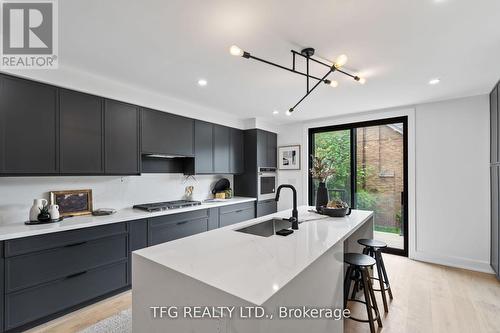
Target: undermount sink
x,y
266,228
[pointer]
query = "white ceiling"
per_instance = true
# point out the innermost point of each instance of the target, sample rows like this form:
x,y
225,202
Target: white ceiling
x,y
398,45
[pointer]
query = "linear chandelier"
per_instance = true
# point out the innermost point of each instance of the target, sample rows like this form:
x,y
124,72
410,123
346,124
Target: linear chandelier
x,y
306,53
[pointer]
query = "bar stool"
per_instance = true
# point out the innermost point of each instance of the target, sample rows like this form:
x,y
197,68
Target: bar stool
x,y
373,249
358,271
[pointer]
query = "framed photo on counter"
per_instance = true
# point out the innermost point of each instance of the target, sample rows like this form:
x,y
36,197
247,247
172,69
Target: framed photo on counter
x,y
289,157
73,202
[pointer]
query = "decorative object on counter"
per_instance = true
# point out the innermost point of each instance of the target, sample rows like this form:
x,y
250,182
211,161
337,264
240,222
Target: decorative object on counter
x,y
229,193
54,212
335,208
220,195
321,170
221,185
72,202
44,215
188,193
289,157
103,211
35,209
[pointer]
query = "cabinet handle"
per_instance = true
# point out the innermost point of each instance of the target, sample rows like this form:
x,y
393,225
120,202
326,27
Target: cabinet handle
x,y
239,211
75,244
183,222
75,275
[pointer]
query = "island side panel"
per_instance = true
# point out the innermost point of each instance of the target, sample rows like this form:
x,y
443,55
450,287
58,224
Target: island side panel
x,y
365,231
157,285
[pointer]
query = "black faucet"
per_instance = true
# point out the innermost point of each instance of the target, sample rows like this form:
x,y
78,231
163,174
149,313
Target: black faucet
x,y
295,213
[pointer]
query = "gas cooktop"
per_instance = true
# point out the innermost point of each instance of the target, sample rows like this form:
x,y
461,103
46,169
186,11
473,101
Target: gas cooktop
x,y
159,206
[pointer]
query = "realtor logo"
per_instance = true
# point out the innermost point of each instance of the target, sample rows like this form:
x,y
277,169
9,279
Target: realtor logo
x,y
29,34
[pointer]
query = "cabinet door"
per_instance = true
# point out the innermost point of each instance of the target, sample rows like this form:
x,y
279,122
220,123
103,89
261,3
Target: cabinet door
x,y
28,120
121,137
494,125
81,120
497,127
495,228
262,161
1,286
236,158
271,149
221,149
162,229
165,133
203,147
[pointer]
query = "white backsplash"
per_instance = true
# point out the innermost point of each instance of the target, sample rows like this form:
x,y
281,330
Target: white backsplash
x,y
17,193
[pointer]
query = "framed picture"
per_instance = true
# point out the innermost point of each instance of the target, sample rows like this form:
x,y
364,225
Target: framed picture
x,y
73,202
289,157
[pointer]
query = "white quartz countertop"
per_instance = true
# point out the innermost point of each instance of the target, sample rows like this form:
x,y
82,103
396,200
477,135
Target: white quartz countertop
x,y
253,267
19,229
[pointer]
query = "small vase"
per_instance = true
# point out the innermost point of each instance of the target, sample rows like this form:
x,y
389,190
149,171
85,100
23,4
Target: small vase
x,y
321,196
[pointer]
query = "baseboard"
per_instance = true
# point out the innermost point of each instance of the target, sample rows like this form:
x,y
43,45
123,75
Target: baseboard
x,y
478,266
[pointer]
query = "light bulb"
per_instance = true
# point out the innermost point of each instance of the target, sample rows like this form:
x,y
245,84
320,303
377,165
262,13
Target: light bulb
x,y
340,61
362,80
236,51
333,84
289,113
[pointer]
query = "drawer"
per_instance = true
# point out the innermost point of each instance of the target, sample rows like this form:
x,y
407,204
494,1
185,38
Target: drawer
x,y
236,207
58,239
236,217
181,217
161,233
35,268
37,302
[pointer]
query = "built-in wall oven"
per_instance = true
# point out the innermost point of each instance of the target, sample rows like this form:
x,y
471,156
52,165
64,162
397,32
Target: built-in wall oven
x,y
266,183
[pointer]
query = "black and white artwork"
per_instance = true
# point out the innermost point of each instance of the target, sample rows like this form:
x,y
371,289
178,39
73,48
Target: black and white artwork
x,y
289,157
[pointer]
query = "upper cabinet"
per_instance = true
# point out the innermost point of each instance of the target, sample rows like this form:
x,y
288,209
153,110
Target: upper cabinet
x,y
203,147
494,100
221,149
167,134
236,152
81,133
266,149
121,138
28,120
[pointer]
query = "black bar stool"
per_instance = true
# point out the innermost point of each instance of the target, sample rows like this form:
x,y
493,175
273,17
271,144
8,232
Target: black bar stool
x,y
373,249
358,271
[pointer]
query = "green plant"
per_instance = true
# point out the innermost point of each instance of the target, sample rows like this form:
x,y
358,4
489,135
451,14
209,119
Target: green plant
x,y
366,200
44,210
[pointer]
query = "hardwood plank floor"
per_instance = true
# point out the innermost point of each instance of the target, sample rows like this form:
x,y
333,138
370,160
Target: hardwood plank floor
x,y
427,298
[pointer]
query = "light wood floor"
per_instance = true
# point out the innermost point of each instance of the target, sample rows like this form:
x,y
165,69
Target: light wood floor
x,y
427,298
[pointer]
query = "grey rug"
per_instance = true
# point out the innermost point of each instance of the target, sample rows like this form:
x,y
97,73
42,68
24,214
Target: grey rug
x,y
118,323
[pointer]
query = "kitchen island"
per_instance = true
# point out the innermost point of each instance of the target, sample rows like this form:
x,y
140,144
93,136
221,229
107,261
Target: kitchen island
x,y
225,280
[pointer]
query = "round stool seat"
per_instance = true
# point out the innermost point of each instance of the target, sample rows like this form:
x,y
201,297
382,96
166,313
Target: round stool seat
x,y
358,259
372,243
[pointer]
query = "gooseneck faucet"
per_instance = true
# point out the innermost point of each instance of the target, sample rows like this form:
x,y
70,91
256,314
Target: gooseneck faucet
x,y
295,213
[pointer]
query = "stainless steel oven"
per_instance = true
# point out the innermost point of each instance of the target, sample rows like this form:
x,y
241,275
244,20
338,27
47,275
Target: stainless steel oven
x,y
266,183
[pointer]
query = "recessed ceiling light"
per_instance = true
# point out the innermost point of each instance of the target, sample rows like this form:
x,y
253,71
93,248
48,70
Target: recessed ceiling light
x,y
276,112
434,81
202,82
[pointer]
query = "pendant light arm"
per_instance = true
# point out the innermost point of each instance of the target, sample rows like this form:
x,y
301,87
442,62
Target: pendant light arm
x,y
332,69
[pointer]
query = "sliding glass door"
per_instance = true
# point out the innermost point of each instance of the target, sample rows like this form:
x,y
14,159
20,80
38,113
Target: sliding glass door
x,y
370,160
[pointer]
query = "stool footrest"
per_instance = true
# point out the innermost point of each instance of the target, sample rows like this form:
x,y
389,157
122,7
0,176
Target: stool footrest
x,y
375,317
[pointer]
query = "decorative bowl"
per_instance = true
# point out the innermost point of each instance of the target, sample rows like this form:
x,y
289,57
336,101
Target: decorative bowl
x,y
335,212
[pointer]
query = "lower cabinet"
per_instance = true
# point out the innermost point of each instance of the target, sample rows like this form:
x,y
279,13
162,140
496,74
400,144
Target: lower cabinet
x,y
236,213
162,229
266,207
1,286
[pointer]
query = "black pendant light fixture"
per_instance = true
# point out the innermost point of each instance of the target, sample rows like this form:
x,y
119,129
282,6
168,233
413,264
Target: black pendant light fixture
x,y
308,54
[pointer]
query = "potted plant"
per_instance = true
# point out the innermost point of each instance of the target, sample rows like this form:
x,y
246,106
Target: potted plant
x,y
321,170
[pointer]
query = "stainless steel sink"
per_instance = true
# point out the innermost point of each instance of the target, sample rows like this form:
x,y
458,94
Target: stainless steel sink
x,y
266,228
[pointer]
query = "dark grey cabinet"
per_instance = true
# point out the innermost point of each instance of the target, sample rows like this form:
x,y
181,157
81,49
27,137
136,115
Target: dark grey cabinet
x,y
221,149
28,123
236,213
162,229
494,121
1,287
81,133
266,149
203,147
495,217
121,138
236,152
165,133
266,207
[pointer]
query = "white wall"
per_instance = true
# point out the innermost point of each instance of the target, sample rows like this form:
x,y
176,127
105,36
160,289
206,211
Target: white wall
x,y
17,193
448,177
